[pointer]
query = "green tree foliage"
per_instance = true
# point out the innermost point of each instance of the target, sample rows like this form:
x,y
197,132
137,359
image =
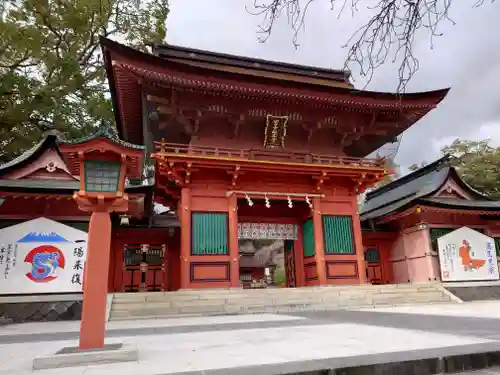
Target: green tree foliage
x,y
477,162
51,65
414,167
280,276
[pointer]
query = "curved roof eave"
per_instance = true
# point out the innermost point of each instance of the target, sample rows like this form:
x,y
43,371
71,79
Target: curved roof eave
x,y
431,97
469,188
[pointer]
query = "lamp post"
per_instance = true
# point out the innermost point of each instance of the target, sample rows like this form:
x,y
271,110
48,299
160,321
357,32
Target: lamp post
x,y
101,192
102,162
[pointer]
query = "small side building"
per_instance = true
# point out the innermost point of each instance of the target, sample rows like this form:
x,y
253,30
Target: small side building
x,y
39,184
403,220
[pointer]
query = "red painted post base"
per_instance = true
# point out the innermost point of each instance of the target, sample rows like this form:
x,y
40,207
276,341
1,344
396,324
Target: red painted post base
x,y
95,286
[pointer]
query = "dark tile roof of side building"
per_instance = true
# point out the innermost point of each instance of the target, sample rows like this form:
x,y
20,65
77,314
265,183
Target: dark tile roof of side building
x,y
51,140
31,154
419,186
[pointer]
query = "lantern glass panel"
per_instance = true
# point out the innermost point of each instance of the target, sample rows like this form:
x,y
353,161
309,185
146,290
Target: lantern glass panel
x,y
101,176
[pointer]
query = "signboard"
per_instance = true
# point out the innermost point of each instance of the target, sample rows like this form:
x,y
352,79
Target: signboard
x,y
41,256
267,231
275,132
467,255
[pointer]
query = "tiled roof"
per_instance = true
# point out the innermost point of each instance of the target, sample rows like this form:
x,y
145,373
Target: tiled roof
x,y
104,131
397,194
32,153
418,187
188,53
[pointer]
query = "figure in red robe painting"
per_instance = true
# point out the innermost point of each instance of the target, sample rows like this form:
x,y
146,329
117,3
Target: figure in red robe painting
x,y
468,262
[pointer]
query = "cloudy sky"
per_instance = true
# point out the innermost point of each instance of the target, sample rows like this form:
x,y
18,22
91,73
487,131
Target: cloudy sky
x,y
466,58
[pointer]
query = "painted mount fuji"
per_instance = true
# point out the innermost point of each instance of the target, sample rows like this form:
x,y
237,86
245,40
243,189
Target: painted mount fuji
x,y
46,237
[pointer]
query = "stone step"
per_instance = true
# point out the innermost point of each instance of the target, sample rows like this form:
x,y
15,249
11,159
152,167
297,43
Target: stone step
x,y
215,305
195,294
227,293
223,310
283,298
233,301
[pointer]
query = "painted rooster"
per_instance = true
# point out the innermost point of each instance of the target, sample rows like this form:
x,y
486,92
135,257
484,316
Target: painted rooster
x,y
469,263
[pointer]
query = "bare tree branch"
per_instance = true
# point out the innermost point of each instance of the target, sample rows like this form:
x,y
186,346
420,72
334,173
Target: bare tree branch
x,y
389,32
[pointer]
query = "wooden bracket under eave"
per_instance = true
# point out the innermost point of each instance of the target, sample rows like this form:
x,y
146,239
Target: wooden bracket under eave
x,y
237,124
309,129
172,193
320,180
367,181
187,178
360,182
171,173
235,173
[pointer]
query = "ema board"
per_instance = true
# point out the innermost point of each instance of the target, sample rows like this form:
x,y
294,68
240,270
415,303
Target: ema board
x,y
41,256
467,255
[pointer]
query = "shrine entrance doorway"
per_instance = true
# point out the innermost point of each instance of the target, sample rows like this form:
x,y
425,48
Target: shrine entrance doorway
x,y
266,255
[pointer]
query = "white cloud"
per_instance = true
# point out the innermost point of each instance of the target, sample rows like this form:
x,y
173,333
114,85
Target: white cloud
x,y
466,57
489,131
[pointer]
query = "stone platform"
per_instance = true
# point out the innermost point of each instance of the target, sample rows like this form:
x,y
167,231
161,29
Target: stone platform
x,y
475,291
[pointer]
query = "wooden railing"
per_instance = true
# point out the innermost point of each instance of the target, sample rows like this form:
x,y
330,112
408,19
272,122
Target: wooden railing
x,y
266,154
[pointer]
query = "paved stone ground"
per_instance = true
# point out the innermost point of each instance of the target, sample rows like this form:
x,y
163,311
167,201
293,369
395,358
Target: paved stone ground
x,y
170,346
490,371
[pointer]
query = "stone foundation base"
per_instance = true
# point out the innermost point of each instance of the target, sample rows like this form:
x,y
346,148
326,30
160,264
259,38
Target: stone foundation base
x,y
41,307
73,356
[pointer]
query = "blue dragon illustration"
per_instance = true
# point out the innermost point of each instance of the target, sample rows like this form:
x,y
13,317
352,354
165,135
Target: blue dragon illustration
x,y
44,264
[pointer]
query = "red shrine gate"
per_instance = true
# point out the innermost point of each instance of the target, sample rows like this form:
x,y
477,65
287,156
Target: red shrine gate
x,y
296,131
324,247
155,264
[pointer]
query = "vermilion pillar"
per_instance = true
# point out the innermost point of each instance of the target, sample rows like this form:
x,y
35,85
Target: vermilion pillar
x,y
185,256
234,252
319,246
360,250
95,287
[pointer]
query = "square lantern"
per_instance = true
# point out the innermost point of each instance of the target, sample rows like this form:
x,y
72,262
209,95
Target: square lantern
x,y
103,162
101,176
